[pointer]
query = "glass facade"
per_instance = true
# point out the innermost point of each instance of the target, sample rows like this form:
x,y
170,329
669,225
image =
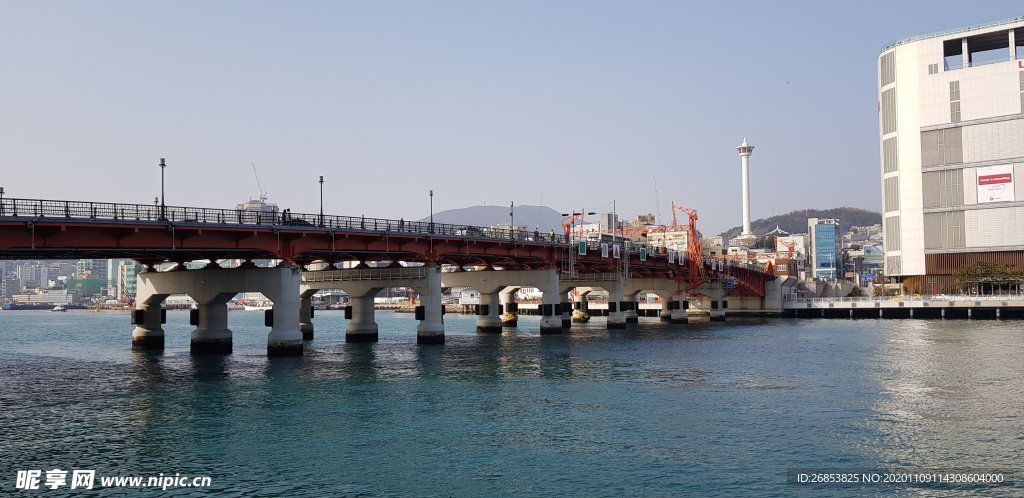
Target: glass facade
x,y
827,263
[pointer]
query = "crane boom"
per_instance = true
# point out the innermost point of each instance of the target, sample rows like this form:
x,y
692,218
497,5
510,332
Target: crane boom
x,y
263,193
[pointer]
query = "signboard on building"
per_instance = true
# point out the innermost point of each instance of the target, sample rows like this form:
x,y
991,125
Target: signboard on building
x,y
995,183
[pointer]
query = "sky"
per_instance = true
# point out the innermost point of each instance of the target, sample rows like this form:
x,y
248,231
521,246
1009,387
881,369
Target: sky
x,y
594,105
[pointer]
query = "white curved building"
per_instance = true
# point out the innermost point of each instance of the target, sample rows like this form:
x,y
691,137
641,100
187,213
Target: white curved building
x,y
951,123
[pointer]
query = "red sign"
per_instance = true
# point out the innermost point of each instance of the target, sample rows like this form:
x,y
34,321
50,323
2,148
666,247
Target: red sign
x,y
990,179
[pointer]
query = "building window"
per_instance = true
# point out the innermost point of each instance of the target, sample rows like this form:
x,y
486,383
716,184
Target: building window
x,y
889,111
954,112
954,91
888,68
933,68
891,194
951,188
944,230
890,155
892,233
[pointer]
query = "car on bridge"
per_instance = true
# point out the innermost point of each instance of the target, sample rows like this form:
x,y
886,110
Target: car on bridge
x,y
469,231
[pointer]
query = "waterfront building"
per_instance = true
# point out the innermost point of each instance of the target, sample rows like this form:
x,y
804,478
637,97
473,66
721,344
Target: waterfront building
x,y
92,268
825,251
127,270
951,122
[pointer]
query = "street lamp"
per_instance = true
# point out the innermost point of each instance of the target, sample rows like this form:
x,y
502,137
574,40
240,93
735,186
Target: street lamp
x,y
512,220
1,200
163,165
580,214
321,200
431,210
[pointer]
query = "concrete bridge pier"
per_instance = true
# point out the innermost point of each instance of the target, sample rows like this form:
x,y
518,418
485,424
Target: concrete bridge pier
x,y
212,288
507,298
680,307
306,314
284,338
566,308
717,302
551,313
616,318
362,326
666,307
212,335
629,308
148,317
431,327
488,318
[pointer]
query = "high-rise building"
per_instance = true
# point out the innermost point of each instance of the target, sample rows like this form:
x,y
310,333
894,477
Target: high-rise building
x,y
126,285
826,250
951,131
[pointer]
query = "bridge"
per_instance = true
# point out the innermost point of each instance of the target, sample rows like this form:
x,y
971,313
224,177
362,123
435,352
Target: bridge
x,y
362,256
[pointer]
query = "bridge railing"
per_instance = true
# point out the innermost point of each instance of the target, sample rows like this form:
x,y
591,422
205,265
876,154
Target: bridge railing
x,y
43,208
905,298
363,274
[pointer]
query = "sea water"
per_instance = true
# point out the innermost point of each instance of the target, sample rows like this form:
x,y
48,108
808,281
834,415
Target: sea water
x,y
701,409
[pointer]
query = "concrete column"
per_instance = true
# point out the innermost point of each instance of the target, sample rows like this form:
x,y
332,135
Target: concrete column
x,y
431,328
306,314
284,338
488,319
666,307
717,311
507,298
630,314
616,319
212,335
362,327
148,333
566,310
1013,45
680,307
551,317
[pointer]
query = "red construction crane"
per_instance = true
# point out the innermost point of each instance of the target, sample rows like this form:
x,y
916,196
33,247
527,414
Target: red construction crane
x,y
567,223
694,249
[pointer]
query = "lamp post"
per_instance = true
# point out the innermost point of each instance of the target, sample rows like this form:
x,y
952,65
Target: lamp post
x,y
512,220
1,201
581,214
163,208
431,210
321,200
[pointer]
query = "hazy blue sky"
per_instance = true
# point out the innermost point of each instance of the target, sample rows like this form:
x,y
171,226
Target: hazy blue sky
x,y
484,102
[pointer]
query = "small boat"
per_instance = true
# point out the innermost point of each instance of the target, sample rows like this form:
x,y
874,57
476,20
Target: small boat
x,y
580,317
509,319
59,307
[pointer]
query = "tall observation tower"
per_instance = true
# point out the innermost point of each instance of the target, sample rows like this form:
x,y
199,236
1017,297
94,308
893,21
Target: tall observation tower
x,y
745,150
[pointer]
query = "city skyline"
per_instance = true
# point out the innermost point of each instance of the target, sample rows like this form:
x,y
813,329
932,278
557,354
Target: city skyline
x,y
579,103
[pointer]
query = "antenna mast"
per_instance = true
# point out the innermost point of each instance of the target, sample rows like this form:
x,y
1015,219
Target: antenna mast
x,y
263,193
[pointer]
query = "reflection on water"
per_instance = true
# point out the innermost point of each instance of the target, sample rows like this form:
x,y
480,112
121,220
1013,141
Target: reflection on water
x,y
952,395
698,409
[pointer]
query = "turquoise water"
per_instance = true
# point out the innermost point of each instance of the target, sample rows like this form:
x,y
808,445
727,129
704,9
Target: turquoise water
x,y
703,409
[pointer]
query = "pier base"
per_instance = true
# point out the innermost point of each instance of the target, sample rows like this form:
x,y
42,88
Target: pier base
x,y
362,327
147,340
211,341
148,334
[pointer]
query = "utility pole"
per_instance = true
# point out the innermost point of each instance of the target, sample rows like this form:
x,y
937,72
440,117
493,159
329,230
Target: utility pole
x,y
163,208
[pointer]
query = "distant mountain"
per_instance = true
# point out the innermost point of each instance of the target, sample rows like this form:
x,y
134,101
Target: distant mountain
x,y
484,216
796,221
